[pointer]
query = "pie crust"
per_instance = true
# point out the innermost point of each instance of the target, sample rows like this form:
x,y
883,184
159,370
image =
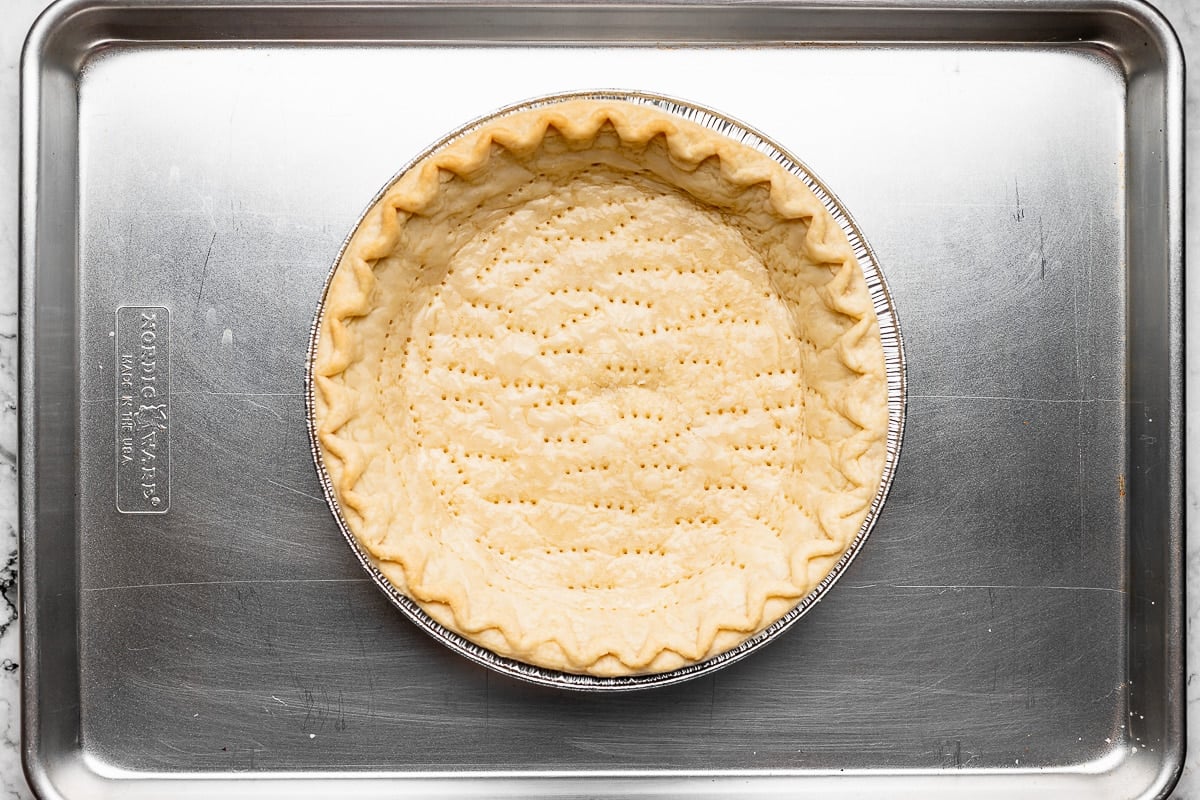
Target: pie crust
x,y
602,390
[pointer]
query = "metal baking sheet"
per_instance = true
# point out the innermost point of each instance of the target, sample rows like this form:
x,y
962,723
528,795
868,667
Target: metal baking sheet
x,y
1014,627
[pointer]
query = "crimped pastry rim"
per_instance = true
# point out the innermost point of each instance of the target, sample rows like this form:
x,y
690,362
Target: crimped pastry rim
x,y
895,370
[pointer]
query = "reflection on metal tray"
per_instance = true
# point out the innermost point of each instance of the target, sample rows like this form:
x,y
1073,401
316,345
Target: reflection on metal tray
x,y
1014,629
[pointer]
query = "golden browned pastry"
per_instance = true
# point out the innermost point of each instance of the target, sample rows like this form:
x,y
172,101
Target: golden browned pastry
x,y
600,389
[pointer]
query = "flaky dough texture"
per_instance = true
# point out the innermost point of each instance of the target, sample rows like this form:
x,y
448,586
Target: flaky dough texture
x,y
600,389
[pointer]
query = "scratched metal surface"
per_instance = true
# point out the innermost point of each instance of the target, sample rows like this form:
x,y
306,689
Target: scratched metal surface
x,y
1009,628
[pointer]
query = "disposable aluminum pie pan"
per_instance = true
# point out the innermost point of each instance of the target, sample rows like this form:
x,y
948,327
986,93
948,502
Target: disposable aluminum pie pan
x,y
893,350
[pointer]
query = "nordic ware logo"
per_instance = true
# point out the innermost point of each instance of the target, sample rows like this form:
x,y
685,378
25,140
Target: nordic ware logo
x,y
143,404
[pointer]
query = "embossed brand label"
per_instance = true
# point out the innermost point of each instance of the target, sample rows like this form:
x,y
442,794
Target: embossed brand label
x,y
143,338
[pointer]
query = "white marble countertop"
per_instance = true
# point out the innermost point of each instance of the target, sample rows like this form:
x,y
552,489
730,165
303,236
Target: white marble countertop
x,y
18,15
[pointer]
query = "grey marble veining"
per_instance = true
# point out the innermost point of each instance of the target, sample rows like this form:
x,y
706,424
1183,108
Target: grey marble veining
x,y
17,19
19,14
1184,15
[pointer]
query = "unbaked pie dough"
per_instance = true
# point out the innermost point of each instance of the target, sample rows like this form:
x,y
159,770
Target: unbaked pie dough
x,y
602,390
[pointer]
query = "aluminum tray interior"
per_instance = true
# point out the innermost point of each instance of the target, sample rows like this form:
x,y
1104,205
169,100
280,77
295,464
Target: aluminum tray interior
x,y
1014,629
